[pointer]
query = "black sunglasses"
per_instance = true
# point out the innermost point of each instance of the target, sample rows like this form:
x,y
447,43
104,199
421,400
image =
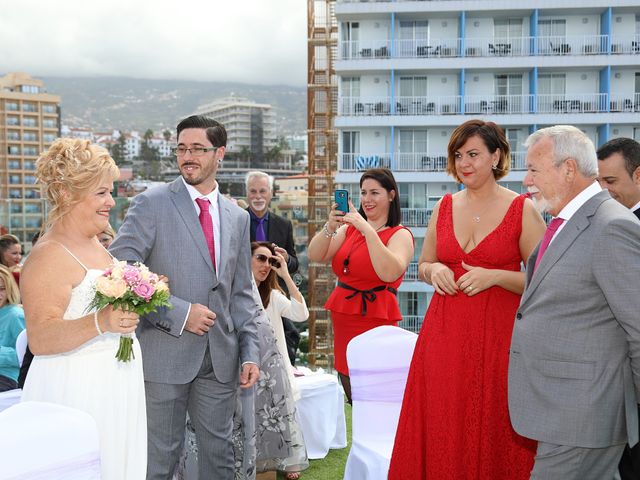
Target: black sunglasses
x,y
264,259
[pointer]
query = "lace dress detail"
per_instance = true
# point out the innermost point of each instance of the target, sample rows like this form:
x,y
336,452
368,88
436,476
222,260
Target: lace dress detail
x,y
455,422
90,378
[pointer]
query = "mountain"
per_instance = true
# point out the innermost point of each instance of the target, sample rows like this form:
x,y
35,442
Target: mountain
x,y
108,103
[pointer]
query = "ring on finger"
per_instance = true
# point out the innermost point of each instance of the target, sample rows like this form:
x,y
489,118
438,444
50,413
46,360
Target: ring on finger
x,y
470,288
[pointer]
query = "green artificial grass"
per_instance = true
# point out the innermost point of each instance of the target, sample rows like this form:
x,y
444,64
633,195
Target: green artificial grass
x,y
332,466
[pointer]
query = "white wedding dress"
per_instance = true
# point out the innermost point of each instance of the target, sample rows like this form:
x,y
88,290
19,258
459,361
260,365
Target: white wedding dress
x,y
90,378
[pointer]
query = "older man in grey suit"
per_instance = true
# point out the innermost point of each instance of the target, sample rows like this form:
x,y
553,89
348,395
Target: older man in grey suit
x,y
191,233
574,372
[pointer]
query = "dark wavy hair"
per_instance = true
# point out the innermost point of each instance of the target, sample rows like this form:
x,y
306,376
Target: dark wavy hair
x,y
385,178
271,282
6,242
215,131
493,138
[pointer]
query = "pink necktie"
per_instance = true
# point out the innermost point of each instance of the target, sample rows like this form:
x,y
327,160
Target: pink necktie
x,y
206,222
548,235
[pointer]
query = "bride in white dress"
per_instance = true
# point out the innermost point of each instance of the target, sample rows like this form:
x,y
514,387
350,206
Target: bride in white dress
x,y
74,350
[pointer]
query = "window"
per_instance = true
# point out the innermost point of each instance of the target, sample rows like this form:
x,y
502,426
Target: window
x,y
33,222
15,179
11,106
350,142
29,107
13,150
552,27
413,141
17,193
29,122
48,123
49,109
409,303
508,84
413,86
29,165
552,84
351,87
13,121
507,28
636,134
48,137
13,164
30,137
32,208
350,39
15,207
414,37
13,135
29,89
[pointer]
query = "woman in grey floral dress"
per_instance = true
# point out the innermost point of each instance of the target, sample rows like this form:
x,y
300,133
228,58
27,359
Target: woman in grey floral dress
x,y
266,433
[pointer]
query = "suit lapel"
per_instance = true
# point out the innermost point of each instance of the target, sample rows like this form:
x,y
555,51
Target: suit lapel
x,y
184,206
576,225
225,233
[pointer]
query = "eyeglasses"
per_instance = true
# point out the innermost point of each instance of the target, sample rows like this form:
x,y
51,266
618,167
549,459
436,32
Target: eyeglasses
x,y
264,259
194,151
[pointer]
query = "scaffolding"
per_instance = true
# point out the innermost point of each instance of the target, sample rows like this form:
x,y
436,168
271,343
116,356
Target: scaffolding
x,y
322,104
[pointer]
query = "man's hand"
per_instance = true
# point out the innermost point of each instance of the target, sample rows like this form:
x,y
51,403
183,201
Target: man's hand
x,y
249,375
200,319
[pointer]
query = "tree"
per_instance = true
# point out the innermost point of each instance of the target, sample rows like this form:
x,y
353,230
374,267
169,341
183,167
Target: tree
x,y
167,135
118,149
150,157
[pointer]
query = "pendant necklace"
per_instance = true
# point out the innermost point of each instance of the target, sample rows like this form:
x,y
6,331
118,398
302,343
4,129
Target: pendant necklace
x,y
345,262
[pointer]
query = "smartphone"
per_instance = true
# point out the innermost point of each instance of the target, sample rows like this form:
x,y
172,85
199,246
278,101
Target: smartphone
x,y
342,199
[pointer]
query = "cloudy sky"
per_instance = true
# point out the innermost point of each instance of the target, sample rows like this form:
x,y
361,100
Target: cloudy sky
x,y
250,41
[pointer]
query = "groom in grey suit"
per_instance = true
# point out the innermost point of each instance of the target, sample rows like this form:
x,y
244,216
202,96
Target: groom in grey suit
x,y
194,354
574,371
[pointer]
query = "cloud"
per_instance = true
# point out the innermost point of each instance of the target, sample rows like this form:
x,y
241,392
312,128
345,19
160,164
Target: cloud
x,y
251,41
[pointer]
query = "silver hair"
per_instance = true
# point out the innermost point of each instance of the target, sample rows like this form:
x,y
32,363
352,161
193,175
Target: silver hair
x,y
569,142
258,174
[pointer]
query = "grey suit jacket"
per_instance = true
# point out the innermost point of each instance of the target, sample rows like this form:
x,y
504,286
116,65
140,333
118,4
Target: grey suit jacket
x,y
574,371
162,230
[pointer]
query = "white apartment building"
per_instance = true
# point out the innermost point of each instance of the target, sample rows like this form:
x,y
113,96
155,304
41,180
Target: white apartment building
x,y
411,71
250,126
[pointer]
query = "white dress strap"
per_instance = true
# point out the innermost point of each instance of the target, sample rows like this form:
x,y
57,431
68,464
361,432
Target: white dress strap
x,y
70,253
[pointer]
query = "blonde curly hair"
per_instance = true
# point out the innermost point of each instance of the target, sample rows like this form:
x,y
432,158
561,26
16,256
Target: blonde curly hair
x,y
68,171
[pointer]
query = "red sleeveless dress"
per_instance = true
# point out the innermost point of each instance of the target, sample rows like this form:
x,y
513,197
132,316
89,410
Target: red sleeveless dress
x,y
380,307
454,423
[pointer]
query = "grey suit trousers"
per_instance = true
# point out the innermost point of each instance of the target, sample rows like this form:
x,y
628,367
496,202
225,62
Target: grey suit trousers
x,y
561,462
210,405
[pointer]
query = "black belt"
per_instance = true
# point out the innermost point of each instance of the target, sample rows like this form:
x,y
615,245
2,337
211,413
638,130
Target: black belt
x,y
366,295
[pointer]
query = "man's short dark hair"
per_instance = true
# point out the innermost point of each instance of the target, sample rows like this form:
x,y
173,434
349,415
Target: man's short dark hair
x,y
216,132
627,147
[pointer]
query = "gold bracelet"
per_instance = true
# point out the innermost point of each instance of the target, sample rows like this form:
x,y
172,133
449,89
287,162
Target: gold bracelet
x,y
328,234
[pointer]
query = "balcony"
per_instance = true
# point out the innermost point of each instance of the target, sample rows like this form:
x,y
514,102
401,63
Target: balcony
x,y
410,161
415,217
411,274
570,103
625,103
376,106
489,47
413,323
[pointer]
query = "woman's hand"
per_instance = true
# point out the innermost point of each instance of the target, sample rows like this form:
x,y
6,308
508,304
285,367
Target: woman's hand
x,y
476,280
117,321
335,219
442,279
282,270
354,218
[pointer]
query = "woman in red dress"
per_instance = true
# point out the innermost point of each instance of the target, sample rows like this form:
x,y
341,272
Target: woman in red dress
x,y
455,422
370,252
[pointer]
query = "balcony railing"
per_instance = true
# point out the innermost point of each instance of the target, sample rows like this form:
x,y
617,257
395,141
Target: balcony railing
x,y
413,323
490,105
411,274
490,47
415,217
410,161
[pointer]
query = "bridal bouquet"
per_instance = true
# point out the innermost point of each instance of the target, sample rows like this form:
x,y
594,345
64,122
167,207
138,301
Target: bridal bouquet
x,y
130,288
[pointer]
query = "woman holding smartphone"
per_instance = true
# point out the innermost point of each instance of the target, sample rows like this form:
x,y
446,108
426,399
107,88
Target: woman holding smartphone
x,y
369,252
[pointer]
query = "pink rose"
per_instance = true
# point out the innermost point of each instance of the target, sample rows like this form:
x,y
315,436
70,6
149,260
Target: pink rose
x,y
144,290
131,275
111,287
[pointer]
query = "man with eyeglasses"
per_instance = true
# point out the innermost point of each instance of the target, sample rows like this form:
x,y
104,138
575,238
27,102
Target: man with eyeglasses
x,y
194,352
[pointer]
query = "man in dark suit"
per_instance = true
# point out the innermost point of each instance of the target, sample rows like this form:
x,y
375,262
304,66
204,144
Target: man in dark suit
x,y
619,172
266,226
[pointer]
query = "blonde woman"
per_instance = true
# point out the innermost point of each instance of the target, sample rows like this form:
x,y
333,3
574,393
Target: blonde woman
x,y
74,349
11,324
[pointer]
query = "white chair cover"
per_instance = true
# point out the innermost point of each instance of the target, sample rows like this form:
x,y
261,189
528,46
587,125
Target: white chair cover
x,y
379,362
21,345
321,414
9,398
47,441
